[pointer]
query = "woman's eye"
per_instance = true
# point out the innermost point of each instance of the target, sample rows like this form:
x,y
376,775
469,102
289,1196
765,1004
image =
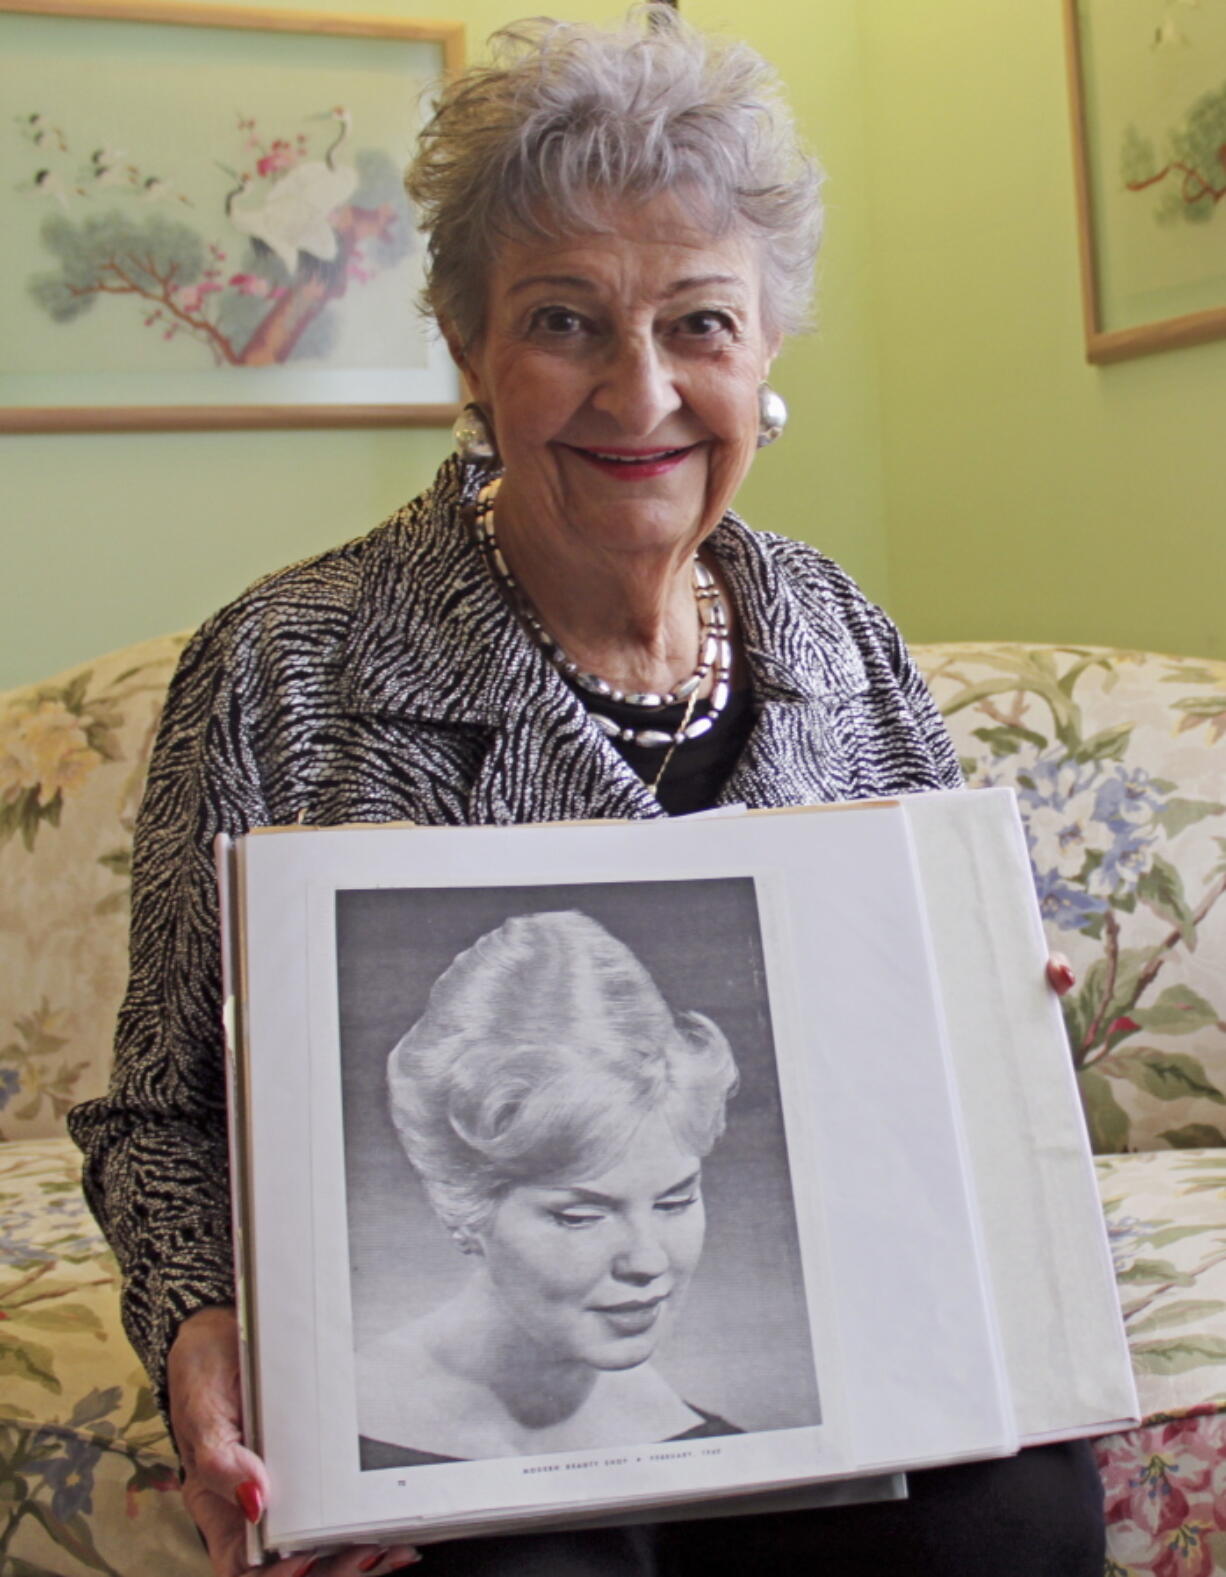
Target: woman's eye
x,y
706,325
575,1218
676,1206
557,321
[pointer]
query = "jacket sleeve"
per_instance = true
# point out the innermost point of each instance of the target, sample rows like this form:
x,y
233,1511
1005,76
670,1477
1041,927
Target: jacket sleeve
x,y
920,703
156,1166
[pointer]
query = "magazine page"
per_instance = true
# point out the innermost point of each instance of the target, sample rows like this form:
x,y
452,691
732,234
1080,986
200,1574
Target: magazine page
x,y
1048,1254
793,1292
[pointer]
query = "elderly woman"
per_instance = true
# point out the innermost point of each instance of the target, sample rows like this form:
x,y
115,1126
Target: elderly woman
x,y
558,1114
568,623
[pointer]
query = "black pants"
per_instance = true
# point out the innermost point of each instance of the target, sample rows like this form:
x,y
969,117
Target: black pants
x,y
1039,1514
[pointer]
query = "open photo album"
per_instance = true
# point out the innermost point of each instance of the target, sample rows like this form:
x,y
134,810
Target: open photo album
x,y
602,1171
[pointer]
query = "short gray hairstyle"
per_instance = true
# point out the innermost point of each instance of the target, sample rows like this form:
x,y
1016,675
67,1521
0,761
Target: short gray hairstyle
x,y
542,1048
568,117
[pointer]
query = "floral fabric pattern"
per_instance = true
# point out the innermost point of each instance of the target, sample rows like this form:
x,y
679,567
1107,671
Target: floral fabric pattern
x,y
73,755
1167,1227
1165,1491
1119,764
85,1463
1166,1483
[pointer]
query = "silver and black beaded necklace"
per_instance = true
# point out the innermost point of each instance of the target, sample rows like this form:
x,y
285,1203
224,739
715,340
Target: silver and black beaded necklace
x,y
714,653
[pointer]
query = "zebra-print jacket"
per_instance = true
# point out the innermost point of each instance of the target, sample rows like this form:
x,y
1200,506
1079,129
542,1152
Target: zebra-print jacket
x,y
388,679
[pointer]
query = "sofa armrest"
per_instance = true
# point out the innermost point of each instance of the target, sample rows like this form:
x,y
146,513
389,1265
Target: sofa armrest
x,y
1119,763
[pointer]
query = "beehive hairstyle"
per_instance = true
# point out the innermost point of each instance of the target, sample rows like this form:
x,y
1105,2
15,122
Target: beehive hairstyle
x,y
542,1048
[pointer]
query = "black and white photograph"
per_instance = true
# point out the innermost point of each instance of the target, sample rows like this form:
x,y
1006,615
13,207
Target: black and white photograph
x,y
570,1215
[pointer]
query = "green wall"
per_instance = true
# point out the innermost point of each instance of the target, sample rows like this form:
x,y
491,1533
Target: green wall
x,y
949,443
1028,495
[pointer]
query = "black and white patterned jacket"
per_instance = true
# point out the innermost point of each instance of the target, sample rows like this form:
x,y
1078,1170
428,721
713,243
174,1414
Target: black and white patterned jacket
x,y
385,680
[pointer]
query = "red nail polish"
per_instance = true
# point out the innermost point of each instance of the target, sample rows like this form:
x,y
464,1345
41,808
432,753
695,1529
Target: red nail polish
x,y
371,1561
307,1565
1064,978
249,1498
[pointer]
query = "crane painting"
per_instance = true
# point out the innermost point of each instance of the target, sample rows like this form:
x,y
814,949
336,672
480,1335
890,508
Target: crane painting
x,y
295,215
251,272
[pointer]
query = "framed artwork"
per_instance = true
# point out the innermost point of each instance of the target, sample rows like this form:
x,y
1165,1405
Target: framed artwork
x,y
204,218
1147,82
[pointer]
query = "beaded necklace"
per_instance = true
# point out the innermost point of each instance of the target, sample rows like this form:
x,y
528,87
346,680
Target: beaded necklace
x,y
714,652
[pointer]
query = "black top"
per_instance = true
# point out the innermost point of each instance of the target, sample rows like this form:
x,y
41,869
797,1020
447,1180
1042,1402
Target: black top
x,y
380,1453
700,767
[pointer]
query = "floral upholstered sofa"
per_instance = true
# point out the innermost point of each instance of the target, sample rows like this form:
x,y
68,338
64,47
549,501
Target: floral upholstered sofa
x,y
88,1482
1119,762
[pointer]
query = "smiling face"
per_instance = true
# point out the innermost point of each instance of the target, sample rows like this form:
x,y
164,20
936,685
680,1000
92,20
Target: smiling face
x,y
590,1270
620,372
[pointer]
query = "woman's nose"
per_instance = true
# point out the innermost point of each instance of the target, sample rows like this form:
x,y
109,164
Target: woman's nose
x,y
637,388
642,1256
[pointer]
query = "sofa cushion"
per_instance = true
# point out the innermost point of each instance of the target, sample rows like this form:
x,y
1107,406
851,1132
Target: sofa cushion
x,y
86,1466
73,756
1165,1483
1119,762
1167,1226
1165,1496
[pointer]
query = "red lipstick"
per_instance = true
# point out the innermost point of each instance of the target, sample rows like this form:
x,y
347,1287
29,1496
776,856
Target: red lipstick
x,y
632,464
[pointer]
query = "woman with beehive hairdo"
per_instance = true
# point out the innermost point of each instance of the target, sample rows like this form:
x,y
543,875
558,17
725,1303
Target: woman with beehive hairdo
x,y
570,622
558,1114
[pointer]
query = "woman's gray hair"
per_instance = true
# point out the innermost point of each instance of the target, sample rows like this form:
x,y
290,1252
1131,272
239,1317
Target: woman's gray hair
x,y
569,117
542,1048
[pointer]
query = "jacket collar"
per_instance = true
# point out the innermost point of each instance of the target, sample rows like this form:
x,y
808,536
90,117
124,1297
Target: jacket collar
x,y
796,641
431,635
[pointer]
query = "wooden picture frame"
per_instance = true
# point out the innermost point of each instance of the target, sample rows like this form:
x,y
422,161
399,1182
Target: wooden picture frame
x,y
235,174
1151,210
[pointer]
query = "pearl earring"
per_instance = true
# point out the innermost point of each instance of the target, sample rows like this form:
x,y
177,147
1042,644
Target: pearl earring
x,y
772,415
472,437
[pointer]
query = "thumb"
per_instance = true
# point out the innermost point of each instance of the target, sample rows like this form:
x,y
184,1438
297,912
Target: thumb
x,y
225,1488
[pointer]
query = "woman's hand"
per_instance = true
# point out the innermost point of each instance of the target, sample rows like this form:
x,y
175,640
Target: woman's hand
x,y
223,1481
1060,976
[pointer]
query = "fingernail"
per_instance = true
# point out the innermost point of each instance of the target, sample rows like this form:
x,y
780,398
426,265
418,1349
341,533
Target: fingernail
x,y
307,1565
1063,977
371,1561
249,1498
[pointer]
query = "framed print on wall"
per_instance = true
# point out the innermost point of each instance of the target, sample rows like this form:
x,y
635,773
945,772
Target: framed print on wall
x,y
204,218
1147,81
